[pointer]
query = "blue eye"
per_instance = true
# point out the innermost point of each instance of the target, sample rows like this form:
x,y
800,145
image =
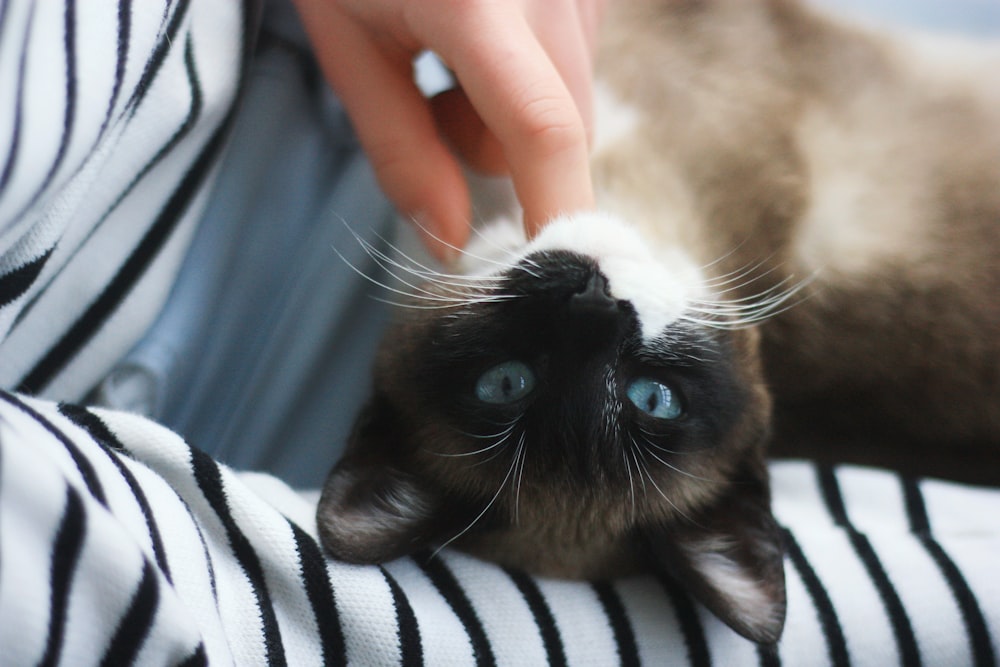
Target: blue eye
x,y
654,398
505,383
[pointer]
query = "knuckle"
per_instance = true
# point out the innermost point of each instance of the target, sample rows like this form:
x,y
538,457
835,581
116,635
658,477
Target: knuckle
x,y
550,125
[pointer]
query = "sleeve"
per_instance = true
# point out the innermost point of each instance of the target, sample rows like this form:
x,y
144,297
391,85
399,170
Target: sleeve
x,y
120,544
113,116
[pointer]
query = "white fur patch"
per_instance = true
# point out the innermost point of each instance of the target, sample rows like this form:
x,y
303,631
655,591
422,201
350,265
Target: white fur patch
x,y
747,599
659,283
727,576
659,287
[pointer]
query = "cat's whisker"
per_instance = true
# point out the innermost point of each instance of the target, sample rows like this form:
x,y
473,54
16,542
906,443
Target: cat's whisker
x,y
511,253
679,471
751,301
494,445
778,288
652,444
679,351
780,303
445,280
520,454
742,313
649,475
524,264
370,279
419,291
508,427
377,254
465,294
439,299
388,264
722,258
450,290
736,276
456,304
631,483
447,301
489,458
463,251
486,509
632,451
738,285
424,270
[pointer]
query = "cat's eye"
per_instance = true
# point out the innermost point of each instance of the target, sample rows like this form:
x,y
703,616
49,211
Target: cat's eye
x,y
505,383
654,398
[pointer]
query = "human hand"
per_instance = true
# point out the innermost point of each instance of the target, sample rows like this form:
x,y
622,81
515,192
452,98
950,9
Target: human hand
x,y
524,107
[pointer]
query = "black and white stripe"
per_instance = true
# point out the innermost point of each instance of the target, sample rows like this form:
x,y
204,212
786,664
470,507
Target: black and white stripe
x,y
902,628
833,633
411,650
105,173
555,654
981,638
188,562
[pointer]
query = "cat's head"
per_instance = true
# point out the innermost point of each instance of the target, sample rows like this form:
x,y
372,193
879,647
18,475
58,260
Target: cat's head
x,y
584,406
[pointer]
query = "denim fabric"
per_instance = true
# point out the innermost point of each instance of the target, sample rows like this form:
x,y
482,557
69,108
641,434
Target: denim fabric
x,y
261,356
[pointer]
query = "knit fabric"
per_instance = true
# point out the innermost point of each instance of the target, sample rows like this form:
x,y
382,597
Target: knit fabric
x,y
120,543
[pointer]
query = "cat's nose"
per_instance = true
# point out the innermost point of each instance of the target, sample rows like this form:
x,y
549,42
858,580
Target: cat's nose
x,y
594,297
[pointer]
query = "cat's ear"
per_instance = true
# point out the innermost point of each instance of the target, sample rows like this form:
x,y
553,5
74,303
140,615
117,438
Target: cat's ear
x,y
730,558
373,513
371,510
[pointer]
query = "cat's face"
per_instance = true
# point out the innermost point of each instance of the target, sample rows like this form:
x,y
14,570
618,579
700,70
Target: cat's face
x,y
580,408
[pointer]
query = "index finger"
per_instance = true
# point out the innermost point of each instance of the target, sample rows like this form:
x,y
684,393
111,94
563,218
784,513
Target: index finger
x,y
522,99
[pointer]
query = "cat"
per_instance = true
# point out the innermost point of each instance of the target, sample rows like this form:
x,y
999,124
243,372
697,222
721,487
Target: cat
x,y
796,254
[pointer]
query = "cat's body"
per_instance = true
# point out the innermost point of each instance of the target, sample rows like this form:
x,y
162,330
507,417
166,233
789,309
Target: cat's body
x,y
809,263
777,140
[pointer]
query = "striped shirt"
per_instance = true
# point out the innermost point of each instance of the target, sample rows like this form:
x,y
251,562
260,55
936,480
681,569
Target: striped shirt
x,y
119,543
113,116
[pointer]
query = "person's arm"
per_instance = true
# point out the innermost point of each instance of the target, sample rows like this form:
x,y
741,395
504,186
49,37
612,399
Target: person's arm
x,y
524,68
